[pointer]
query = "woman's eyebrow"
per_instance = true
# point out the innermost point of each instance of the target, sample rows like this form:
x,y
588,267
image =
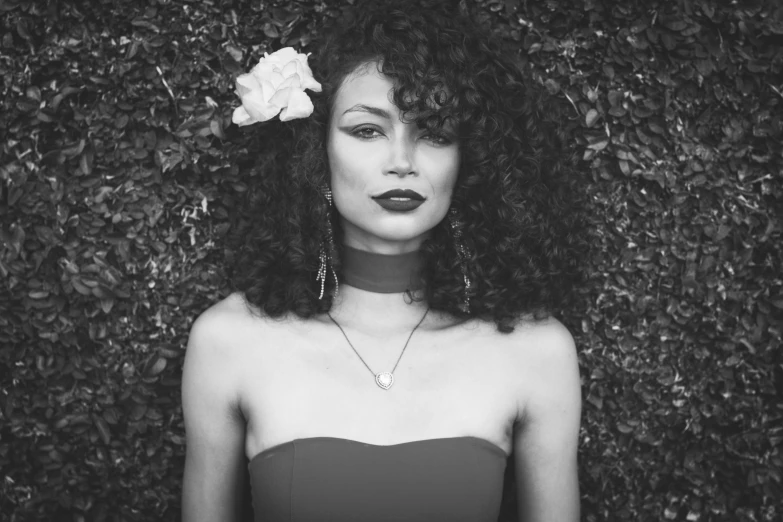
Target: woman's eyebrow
x,y
372,110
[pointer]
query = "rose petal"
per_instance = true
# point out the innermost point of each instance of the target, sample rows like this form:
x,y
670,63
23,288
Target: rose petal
x,y
303,74
290,68
308,82
258,108
268,89
300,62
276,78
292,81
241,117
281,56
246,83
280,99
263,70
299,106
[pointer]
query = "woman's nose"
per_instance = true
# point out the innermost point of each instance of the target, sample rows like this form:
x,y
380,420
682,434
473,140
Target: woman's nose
x,y
401,155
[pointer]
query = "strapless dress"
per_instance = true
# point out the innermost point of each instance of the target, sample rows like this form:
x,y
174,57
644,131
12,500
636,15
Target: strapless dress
x,y
322,479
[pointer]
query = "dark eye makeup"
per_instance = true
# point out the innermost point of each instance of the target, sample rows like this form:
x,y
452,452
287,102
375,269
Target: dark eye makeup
x,y
371,132
365,132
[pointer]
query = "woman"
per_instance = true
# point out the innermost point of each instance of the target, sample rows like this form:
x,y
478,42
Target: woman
x,y
390,348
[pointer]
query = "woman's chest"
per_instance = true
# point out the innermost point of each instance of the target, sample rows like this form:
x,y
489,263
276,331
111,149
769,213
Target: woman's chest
x,y
444,385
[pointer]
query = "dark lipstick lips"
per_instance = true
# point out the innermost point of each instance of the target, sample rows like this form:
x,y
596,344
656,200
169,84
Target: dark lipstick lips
x,y
400,193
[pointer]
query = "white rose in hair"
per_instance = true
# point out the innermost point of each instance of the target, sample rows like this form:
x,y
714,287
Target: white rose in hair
x,y
276,85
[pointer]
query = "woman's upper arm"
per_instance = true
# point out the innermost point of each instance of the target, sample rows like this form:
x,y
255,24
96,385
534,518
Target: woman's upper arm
x,y
546,440
213,482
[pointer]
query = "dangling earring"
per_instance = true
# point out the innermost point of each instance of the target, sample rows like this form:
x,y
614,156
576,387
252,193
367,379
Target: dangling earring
x,y
456,228
327,249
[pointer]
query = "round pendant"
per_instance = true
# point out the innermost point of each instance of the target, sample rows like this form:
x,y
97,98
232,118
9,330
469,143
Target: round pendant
x,y
384,380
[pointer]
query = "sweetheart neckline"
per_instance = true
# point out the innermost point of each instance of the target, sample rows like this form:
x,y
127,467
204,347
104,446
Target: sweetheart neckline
x,y
491,445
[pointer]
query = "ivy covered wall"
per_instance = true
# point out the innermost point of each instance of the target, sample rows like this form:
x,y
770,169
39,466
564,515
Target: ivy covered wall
x,y
120,171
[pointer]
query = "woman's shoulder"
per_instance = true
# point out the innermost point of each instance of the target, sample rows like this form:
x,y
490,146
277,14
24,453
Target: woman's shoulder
x,y
225,324
545,340
233,305
533,343
218,318
541,350
232,310
545,352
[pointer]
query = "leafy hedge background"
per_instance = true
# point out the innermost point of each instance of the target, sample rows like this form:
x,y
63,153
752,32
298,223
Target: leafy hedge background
x,y
120,170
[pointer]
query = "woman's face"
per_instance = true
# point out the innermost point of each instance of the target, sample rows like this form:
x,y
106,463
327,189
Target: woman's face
x,y
371,152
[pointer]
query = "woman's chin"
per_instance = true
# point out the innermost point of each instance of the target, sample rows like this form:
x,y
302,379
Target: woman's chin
x,y
389,241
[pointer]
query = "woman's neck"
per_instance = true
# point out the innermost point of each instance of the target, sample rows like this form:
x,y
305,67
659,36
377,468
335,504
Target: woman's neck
x,y
374,313
372,293
382,273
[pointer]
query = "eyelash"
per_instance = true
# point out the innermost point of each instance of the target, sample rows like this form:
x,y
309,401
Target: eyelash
x,y
359,132
436,139
441,140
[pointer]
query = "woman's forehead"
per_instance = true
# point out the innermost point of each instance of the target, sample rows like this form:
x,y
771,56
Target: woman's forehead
x,y
365,86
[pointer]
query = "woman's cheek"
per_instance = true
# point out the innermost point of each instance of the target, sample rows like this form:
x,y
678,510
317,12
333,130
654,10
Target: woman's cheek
x,y
447,167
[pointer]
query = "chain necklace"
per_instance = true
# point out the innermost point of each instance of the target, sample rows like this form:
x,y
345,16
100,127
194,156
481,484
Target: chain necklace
x,y
383,379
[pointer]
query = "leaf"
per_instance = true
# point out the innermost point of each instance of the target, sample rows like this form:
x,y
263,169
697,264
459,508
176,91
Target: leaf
x,y
138,411
86,160
121,121
617,112
156,365
168,161
599,144
111,416
626,155
80,287
21,28
271,31
74,150
552,86
655,127
67,91
675,24
43,116
591,117
103,428
26,105
669,41
723,231
235,52
132,50
642,112
615,98
596,401
643,137
34,93
757,66
217,129
106,305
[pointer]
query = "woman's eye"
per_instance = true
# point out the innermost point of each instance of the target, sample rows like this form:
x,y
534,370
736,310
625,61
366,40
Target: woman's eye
x,y
438,139
366,132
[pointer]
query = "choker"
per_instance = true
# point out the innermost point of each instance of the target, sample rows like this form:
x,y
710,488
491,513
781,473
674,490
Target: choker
x,y
382,273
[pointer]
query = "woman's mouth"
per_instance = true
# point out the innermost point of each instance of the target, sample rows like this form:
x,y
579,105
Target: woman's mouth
x,y
397,204
399,200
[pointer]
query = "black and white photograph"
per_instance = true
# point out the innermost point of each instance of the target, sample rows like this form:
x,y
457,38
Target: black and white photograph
x,y
391,260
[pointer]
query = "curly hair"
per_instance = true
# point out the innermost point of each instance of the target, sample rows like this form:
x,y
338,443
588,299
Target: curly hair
x,y
516,192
